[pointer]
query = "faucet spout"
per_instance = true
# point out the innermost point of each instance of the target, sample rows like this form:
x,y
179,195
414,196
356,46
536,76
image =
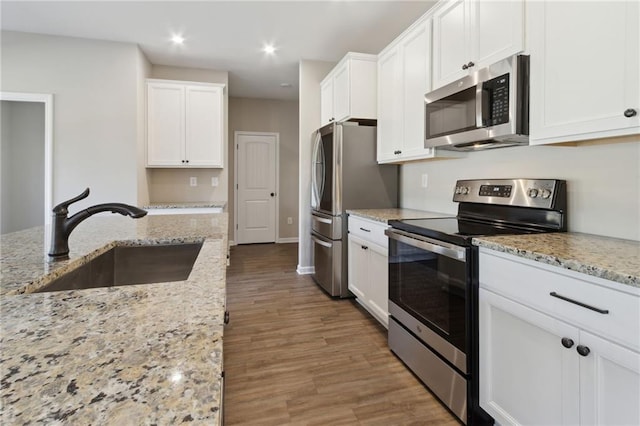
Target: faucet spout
x,y
62,225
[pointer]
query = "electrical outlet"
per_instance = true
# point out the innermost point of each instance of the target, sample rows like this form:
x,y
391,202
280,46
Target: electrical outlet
x,y
289,221
214,181
425,180
193,181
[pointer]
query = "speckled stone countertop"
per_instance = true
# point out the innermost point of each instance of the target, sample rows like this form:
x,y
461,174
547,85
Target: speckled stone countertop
x,y
609,258
203,204
137,354
385,215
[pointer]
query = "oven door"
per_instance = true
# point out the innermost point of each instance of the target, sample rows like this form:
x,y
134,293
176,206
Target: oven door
x,y
430,292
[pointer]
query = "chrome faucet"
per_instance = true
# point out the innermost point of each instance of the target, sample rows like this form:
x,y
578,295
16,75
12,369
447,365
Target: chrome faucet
x,y
62,225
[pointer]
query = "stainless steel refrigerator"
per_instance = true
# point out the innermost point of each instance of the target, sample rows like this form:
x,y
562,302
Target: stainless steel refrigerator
x,y
344,175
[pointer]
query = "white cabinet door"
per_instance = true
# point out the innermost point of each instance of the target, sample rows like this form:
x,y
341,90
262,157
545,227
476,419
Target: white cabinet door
x,y
326,102
389,134
358,267
609,383
416,72
469,35
584,69
379,283
527,376
204,126
165,124
341,92
451,42
498,30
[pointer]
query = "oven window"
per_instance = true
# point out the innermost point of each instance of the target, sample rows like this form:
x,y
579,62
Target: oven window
x,y
452,114
430,287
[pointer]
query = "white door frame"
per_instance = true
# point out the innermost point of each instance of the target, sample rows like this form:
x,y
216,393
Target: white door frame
x,y
47,100
238,133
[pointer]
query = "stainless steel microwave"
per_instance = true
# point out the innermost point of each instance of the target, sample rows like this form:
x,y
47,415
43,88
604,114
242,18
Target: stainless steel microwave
x,y
486,109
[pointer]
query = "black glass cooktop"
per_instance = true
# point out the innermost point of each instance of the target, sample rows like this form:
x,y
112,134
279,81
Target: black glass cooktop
x,y
455,230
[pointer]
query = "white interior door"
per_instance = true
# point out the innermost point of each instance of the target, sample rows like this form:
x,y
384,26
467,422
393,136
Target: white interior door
x,y
256,186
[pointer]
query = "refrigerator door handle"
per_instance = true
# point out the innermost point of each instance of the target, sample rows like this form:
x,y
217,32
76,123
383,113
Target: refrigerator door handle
x,y
322,243
315,193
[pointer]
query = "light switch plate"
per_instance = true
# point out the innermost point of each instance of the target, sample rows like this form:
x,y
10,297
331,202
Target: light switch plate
x,y
193,181
425,180
214,181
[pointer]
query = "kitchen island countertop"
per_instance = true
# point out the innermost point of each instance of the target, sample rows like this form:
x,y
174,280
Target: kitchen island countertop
x,y
137,354
613,259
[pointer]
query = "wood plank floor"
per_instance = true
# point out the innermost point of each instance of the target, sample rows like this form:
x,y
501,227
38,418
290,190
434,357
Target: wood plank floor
x,y
294,356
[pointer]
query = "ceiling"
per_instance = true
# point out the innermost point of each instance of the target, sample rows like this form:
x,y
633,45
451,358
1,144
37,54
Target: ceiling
x,y
227,35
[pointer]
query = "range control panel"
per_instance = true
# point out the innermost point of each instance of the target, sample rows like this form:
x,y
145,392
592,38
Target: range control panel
x,y
534,193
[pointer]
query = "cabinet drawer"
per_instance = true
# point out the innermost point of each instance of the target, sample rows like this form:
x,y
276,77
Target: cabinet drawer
x,y
533,285
369,230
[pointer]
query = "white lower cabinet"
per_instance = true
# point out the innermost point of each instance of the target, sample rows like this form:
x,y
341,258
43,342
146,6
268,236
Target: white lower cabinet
x,y
538,369
368,267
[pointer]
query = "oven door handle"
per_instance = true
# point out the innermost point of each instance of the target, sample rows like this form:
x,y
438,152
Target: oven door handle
x,y
434,246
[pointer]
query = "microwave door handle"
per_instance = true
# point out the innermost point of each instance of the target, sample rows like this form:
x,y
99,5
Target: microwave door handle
x,y
482,106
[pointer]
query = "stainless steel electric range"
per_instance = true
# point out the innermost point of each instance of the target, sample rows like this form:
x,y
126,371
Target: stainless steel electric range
x,y
433,280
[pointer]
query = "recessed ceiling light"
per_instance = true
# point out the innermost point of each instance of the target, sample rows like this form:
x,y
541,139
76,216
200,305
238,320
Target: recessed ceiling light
x,y
177,39
269,49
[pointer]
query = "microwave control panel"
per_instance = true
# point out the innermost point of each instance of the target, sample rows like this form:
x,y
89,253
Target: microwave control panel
x,y
496,92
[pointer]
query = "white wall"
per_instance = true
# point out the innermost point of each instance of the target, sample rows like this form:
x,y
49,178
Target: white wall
x,y
22,153
311,74
274,116
172,185
603,181
95,107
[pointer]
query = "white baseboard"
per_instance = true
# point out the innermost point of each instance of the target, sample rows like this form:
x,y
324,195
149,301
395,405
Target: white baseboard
x,y
288,240
305,270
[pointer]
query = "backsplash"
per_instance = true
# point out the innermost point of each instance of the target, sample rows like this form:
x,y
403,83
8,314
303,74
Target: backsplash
x,y
603,181
173,185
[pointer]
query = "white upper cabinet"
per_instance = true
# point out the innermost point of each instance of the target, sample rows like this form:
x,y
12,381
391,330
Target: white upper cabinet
x,y
469,35
404,73
185,124
584,70
349,90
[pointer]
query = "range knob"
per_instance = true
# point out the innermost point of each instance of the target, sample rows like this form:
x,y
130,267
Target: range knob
x,y
533,192
545,193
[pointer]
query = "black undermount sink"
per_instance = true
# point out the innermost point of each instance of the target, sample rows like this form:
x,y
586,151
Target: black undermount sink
x,y
126,265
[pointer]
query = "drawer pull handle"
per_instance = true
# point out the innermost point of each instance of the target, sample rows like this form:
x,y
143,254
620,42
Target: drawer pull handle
x,y
365,230
575,302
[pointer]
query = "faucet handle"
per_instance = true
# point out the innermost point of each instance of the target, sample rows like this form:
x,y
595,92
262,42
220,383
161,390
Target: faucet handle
x,y
62,207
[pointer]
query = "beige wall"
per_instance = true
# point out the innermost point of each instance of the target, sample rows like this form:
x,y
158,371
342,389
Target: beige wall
x,y
172,185
603,181
95,107
272,116
311,74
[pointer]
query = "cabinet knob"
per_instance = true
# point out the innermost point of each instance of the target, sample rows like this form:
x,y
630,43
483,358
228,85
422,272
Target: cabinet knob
x,y
583,350
186,161
396,152
470,64
182,161
566,342
226,317
465,66
630,112
364,247
273,194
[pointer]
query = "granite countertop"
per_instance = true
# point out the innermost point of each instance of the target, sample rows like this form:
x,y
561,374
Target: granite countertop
x,y
385,215
195,205
609,258
138,354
